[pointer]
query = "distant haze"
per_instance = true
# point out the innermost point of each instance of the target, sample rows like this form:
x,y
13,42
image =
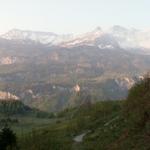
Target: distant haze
x,y
72,16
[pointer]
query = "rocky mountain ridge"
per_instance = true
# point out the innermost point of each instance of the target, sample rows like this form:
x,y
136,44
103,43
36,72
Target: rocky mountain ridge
x,y
113,37
49,76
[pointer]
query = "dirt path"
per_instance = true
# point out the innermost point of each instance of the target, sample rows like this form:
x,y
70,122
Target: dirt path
x,y
79,138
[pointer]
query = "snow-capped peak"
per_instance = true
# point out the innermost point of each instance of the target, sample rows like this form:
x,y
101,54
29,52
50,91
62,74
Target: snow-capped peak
x,y
84,39
130,38
41,37
114,36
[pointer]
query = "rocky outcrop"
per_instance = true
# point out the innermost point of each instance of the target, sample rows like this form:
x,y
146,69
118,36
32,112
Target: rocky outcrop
x,y
8,96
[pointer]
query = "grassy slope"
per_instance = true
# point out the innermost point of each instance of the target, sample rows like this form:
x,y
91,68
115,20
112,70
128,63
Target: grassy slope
x,y
108,130
60,135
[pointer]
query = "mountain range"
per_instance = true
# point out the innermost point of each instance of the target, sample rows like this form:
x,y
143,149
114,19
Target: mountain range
x,y
45,69
112,37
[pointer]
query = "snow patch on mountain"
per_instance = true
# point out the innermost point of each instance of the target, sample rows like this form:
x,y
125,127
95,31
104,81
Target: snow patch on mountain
x,y
40,37
84,39
130,38
113,37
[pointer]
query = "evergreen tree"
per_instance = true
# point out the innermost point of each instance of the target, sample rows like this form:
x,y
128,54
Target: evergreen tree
x,y
7,139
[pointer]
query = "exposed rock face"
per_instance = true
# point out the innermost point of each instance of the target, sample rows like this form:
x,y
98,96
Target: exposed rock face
x,y
77,88
126,82
7,60
8,96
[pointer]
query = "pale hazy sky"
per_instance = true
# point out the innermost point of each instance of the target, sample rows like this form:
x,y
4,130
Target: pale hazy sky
x,y
73,16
